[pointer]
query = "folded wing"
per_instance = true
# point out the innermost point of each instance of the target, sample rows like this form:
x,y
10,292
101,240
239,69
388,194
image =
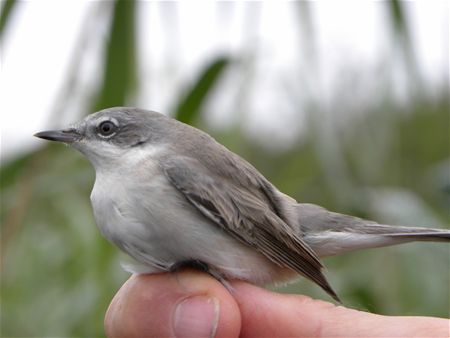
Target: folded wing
x,y
244,213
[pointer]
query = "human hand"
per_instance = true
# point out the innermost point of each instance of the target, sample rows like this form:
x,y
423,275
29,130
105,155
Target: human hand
x,y
193,304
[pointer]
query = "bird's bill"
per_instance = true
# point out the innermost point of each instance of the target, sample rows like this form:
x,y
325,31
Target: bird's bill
x,y
65,135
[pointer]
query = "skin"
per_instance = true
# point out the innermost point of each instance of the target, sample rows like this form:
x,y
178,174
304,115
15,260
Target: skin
x,y
192,304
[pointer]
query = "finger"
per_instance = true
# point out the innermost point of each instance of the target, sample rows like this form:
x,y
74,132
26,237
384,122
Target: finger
x,y
264,313
182,304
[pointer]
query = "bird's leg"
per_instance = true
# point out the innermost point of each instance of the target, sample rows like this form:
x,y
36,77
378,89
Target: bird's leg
x,y
204,267
189,263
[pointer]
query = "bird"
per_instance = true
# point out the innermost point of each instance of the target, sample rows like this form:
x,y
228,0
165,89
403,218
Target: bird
x,y
170,196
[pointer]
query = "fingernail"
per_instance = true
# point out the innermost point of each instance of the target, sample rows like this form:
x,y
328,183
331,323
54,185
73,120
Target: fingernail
x,y
196,316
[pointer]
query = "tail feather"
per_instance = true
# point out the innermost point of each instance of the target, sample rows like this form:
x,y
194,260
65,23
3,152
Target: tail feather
x,y
426,236
329,233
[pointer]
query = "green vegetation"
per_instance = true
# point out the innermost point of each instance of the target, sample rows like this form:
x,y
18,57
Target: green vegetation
x,y
58,274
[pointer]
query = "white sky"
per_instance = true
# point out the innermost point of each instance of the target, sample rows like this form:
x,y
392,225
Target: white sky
x,y
34,67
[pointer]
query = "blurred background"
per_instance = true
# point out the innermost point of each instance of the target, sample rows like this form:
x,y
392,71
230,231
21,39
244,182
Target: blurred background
x,y
343,104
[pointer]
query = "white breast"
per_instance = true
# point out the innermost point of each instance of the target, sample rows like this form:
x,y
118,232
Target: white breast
x,y
144,215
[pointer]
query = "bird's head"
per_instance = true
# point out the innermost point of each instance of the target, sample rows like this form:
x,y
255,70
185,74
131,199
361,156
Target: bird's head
x,y
114,135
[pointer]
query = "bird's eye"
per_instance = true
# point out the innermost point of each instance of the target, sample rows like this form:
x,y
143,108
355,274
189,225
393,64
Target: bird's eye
x,y
106,128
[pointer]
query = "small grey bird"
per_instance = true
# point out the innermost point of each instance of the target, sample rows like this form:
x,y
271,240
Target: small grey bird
x,y
169,195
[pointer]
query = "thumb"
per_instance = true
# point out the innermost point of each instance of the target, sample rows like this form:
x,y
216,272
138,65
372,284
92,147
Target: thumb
x,y
182,304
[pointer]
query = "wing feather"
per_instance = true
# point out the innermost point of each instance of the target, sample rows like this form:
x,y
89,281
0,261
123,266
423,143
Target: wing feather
x,y
244,213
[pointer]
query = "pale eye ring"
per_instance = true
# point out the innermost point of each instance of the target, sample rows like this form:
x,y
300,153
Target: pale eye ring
x,y
106,129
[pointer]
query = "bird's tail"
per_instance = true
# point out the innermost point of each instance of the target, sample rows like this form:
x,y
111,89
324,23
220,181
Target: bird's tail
x,y
329,233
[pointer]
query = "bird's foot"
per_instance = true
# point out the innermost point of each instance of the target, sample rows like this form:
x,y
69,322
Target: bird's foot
x,y
204,267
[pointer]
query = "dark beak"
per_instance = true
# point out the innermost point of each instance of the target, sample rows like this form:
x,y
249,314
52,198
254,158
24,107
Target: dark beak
x,y
66,135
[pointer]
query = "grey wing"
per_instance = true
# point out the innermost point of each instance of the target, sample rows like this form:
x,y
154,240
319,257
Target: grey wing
x,y
243,213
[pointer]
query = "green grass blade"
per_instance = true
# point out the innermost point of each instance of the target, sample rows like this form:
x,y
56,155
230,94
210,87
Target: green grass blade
x,y
190,104
119,76
7,9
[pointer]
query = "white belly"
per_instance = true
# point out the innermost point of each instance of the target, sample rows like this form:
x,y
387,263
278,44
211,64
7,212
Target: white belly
x,y
157,226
